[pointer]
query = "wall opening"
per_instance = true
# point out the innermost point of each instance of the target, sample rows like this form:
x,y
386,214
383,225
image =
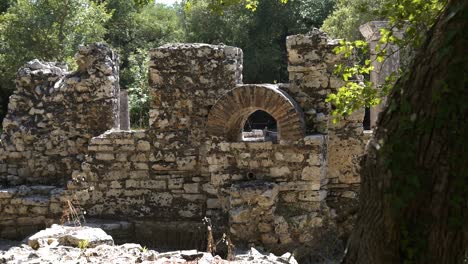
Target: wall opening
x,y
366,123
229,114
260,126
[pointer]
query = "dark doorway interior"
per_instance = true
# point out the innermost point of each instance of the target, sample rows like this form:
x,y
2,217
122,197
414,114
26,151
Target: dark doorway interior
x,y
260,126
260,120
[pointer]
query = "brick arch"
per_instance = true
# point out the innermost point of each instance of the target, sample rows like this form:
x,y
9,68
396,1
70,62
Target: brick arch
x,y
228,115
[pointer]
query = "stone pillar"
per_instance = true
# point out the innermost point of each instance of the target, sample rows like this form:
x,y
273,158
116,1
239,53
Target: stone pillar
x,y
371,31
124,110
311,62
186,80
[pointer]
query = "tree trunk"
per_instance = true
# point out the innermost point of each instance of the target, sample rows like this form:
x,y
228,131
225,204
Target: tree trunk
x,y
414,192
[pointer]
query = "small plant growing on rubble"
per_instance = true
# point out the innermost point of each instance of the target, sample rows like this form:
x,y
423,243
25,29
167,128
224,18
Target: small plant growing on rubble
x,y
144,249
72,214
230,247
83,244
210,245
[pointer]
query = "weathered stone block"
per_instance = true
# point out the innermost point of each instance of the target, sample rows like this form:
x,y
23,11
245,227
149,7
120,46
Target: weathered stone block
x,y
143,145
213,203
140,174
279,171
192,187
312,173
175,183
299,186
161,199
105,156
153,184
36,201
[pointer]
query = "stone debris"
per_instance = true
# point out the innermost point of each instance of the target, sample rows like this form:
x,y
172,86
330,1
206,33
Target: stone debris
x,y
42,247
70,236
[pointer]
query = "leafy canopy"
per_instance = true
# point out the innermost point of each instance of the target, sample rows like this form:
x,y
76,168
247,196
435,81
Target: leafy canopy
x,y
261,34
415,18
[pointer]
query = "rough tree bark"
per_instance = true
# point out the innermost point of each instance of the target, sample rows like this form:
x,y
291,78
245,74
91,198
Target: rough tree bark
x,y
414,192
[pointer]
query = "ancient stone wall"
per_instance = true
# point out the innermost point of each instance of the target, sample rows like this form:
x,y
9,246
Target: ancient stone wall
x,y
311,61
192,161
26,209
272,193
311,65
53,114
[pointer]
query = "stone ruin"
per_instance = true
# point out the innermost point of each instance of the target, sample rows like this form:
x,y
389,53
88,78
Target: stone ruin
x,y
62,142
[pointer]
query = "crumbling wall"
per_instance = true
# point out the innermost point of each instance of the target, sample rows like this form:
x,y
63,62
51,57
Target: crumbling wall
x,y
272,193
53,114
311,65
311,62
26,209
157,175
191,162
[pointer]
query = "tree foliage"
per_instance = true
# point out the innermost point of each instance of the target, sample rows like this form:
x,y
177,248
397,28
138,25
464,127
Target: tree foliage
x,y
348,15
415,18
132,31
49,30
260,34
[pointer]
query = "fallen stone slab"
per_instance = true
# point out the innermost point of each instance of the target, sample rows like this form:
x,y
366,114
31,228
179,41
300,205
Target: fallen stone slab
x,y
70,236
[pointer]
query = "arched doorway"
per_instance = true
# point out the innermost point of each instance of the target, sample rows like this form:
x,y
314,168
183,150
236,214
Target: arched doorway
x,y
228,116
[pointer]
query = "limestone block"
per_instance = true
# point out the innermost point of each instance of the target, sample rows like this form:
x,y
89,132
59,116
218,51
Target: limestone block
x,y
161,199
28,220
10,209
141,166
349,194
139,174
143,145
239,215
219,179
192,187
279,171
115,185
105,148
153,184
186,163
190,210
313,196
269,239
281,226
55,208
213,203
70,236
139,157
311,173
39,210
194,197
138,192
175,183
264,227
293,157
299,186
289,197
209,188
105,156
314,140
132,184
